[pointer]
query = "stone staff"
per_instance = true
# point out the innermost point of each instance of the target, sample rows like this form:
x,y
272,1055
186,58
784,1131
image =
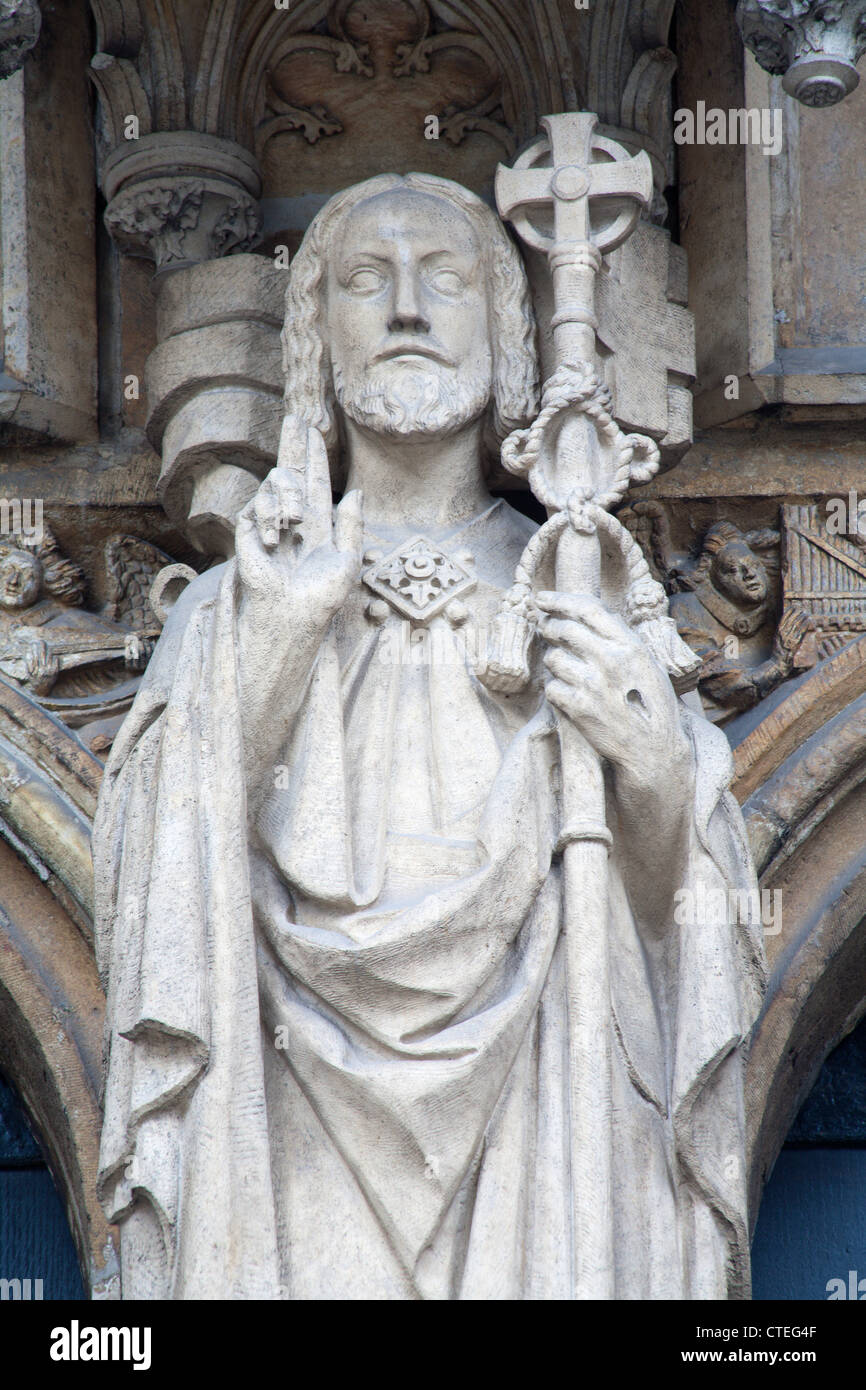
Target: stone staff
x,y
588,192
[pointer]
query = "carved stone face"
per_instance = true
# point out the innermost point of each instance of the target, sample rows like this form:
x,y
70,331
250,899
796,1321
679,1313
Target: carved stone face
x,y
739,574
407,316
20,579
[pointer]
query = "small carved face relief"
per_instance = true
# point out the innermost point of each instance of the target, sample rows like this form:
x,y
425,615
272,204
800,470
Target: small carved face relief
x,y
20,579
407,316
739,574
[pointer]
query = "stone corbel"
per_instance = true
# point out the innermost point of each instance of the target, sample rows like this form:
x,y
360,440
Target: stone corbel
x,y
20,23
181,197
814,45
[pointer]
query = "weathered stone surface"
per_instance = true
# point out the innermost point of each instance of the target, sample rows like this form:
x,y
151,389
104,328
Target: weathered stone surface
x,y
242,286
777,300
47,260
800,460
240,353
828,690
20,22
800,775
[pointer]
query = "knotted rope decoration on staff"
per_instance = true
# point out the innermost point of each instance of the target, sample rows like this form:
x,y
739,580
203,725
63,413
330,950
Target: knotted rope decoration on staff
x,y
579,464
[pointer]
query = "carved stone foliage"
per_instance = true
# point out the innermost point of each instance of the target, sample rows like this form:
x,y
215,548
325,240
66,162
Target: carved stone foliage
x,y
181,221
20,23
178,191
477,66
376,42
814,44
724,601
254,72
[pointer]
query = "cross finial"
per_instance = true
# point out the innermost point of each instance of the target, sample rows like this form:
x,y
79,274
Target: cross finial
x,y
578,173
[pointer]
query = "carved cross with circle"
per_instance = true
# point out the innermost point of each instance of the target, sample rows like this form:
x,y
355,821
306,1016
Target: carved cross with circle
x,y
584,168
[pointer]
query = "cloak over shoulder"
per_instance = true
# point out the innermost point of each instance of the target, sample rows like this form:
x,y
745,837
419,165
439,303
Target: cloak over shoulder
x,y
415,1108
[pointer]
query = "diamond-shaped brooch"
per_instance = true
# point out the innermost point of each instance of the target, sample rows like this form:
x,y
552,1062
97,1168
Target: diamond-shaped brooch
x,y
418,580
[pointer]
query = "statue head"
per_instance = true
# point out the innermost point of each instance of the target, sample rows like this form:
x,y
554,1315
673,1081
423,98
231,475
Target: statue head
x,y
732,566
408,311
20,578
30,568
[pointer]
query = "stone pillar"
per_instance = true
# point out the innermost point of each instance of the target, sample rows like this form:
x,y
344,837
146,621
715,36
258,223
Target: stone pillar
x,y
214,392
48,337
814,46
189,202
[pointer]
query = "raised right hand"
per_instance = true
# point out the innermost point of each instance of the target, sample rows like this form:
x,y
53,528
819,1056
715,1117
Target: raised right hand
x,y
298,557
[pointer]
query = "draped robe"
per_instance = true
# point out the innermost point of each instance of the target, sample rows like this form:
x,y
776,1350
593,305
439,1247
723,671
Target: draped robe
x,y
337,1022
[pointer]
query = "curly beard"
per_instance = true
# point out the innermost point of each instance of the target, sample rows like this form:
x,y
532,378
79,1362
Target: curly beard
x,y
403,399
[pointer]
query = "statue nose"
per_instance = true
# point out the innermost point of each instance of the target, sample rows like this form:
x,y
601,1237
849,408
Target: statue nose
x,y
404,321
406,315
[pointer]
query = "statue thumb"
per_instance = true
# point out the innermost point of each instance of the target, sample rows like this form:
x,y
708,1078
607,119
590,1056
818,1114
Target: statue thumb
x,y
349,524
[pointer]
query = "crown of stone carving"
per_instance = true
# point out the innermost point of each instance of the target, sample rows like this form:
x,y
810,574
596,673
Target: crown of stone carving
x,y
20,23
814,44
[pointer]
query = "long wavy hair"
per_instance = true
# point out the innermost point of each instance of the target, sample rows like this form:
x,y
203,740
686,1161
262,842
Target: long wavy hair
x,y
306,359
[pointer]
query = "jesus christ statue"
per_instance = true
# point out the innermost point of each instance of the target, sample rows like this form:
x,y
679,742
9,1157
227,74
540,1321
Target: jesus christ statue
x,y
329,880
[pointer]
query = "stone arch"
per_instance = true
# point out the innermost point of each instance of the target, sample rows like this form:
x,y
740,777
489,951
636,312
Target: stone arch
x,y
801,774
51,1002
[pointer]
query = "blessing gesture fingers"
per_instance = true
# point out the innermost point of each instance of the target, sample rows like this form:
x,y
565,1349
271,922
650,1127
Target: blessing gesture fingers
x,y
606,682
293,550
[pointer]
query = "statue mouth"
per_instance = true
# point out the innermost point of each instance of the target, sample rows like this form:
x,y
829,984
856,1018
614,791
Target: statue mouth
x,y
412,351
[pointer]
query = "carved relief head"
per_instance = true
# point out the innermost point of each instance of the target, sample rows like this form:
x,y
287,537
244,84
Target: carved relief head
x,y
29,569
20,578
408,308
732,566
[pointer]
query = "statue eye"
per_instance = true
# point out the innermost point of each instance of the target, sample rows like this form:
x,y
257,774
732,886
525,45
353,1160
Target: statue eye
x,y
365,281
447,281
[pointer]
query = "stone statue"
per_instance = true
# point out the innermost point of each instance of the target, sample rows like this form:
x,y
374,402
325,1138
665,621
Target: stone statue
x,y
725,608
83,666
329,880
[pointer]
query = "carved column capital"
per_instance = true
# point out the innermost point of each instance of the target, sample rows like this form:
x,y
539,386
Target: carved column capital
x,y
814,44
20,23
181,197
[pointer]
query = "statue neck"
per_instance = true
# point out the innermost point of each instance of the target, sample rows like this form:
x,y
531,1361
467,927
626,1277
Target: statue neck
x,y
416,484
